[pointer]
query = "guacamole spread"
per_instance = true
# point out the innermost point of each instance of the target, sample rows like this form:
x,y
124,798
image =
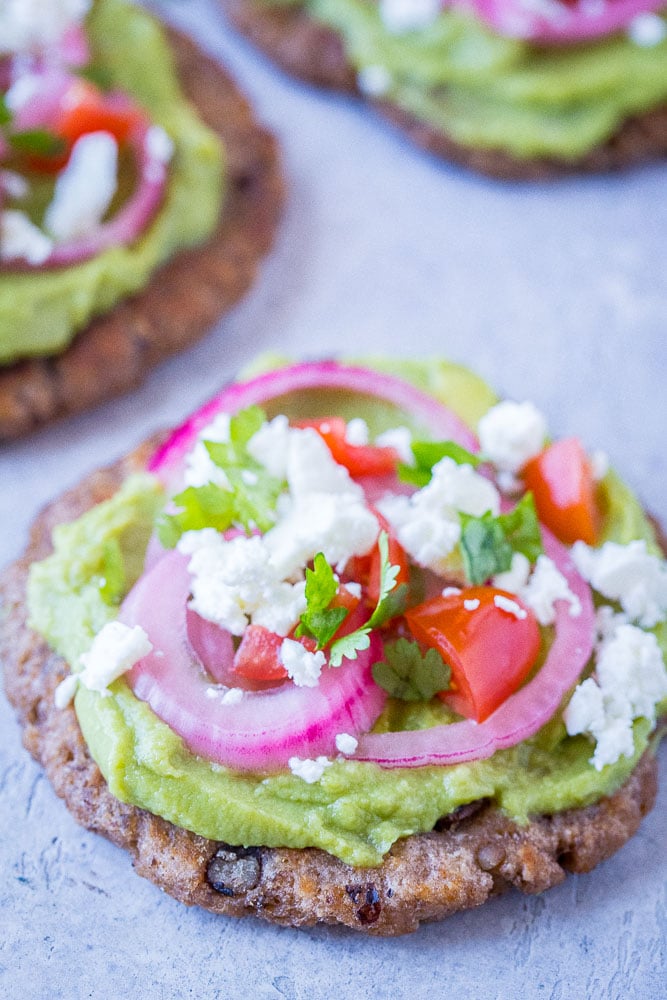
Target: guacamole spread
x,y
491,92
357,810
41,311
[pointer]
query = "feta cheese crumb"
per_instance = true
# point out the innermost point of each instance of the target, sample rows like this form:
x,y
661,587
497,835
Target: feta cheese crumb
x,y
85,188
516,577
510,606
599,461
399,438
512,433
233,696
20,239
471,605
159,145
647,30
15,185
27,25
374,81
302,666
630,681
309,770
399,16
270,445
356,432
450,591
628,574
546,586
199,466
115,649
427,523
346,744
65,691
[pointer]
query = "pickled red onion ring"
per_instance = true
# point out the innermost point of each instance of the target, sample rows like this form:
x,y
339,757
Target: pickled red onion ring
x,y
41,110
265,729
554,22
437,418
523,713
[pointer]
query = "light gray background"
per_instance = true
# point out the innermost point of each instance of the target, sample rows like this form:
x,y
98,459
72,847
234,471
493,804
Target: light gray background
x,y
557,293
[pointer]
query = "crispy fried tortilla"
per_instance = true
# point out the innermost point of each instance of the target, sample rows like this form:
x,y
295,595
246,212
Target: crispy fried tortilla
x,y
315,53
187,295
473,854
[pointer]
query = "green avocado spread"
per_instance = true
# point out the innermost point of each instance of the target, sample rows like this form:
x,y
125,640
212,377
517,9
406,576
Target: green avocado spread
x,y
41,312
357,810
490,92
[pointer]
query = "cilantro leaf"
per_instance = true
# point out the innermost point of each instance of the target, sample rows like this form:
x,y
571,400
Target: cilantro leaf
x,y
37,142
522,528
319,621
348,646
5,113
255,490
390,603
488,543
208,506
408,674
427,454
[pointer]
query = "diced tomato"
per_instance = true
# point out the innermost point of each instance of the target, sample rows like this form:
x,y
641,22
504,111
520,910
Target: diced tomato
x,y
562,484
359,460
258,656
490,650
86,109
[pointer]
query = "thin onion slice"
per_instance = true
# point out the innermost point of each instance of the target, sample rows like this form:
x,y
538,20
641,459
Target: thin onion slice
x,y
553,22
437,419
264,729
523,713
41,110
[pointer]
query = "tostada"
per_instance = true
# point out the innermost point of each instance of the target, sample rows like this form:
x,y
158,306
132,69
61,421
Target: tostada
x,y
356,643
511,88
137,196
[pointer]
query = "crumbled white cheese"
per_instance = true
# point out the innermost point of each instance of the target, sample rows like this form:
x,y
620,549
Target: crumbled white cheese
x,y
115,649
311,467
29,25
353,588
374,81
400,439
302,666
199,466
340,526
450,591
472,604
65,691
512,433
14,185
356,432
234,582
647,30
599,462
516,577
233,696
309,770
270,445
158,144
85,188
346,744
510,606
546,586
628,574
399,16
427,523
630,681
21,240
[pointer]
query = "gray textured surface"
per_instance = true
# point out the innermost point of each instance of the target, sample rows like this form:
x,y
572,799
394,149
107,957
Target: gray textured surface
x,y
557,293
